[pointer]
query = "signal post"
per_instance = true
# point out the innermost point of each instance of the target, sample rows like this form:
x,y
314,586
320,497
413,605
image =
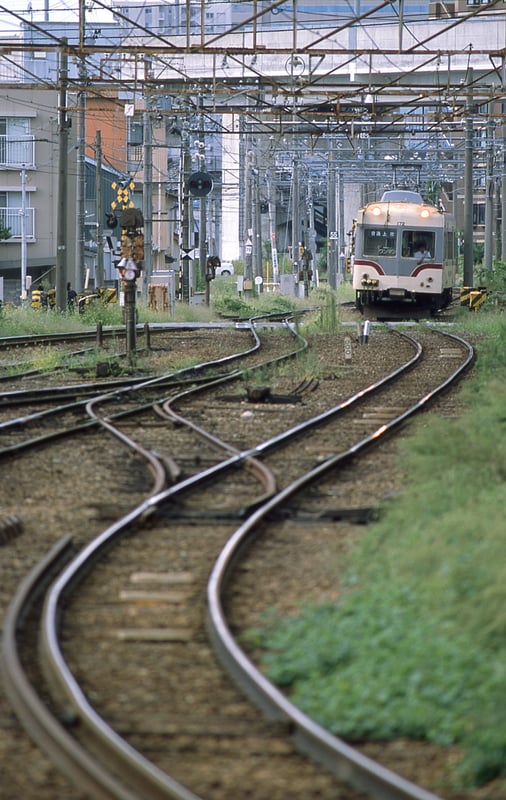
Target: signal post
x,y
130,265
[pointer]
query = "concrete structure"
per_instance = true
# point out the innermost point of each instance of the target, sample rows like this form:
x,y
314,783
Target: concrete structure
x,y
325,98
29,187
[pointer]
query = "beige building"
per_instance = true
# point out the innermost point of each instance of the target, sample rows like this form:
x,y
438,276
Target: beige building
x,y
29,194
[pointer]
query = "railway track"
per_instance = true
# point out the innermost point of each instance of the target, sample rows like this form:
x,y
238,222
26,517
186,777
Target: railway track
x,y
128,646
62,410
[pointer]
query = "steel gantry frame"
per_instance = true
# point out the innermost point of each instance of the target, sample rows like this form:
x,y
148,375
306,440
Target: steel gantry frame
x,y
366,82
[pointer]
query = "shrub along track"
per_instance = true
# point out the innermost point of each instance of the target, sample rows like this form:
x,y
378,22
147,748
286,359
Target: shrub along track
x,y
165,580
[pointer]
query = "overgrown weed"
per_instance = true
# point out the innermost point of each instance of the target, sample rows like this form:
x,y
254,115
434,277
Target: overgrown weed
x,y
416,647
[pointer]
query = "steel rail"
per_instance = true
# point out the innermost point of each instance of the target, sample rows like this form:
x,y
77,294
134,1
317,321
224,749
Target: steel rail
x,y
59,338
108,743
25,396
109,747
158,465
69,757
253,465
128,387
310,737
107,331
22,340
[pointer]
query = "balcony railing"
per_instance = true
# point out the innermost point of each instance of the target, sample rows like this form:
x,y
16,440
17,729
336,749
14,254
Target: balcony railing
x,y
12,218
17,151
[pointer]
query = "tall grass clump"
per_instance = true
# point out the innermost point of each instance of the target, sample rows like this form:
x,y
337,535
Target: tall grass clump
x,y
328,311
17,321
416,645
232,305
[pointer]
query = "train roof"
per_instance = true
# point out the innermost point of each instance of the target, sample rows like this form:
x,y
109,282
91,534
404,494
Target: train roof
x,y
401,196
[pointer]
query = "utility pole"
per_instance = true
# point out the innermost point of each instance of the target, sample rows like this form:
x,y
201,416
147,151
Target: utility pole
x,y
99,271
147,198
63,136
503,176
185,201
80,266
340,229
203,250
489,196
248,248
310,261
272,231
332,232
295,216
23,235
468,185
257,228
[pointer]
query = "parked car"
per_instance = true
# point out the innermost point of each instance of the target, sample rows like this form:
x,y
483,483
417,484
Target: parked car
x,y
225,268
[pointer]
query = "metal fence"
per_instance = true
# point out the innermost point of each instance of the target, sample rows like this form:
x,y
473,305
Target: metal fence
x,y
11,218
18,151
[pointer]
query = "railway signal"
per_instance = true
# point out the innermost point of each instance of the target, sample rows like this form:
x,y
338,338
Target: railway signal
x,y
200,184
211,265
131,253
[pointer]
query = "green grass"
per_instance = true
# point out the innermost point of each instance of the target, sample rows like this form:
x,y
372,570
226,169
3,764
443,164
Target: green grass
x,y
416,647
16,321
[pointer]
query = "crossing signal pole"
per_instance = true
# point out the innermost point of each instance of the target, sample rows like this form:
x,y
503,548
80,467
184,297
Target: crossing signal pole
x,y
131,221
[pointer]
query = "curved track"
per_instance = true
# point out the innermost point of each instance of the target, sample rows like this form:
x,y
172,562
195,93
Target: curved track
x,y
154,561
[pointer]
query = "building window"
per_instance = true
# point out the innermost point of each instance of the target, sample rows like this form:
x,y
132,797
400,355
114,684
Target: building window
x,y
11,216
135,132
17,145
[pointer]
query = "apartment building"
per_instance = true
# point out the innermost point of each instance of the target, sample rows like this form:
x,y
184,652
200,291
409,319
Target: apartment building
x,y
179,17
29,152
126,121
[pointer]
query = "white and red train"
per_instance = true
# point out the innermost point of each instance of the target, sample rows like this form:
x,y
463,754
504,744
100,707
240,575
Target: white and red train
x,y
404,250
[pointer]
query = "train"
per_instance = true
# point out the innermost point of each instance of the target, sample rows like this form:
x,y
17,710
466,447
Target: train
x,y
404,249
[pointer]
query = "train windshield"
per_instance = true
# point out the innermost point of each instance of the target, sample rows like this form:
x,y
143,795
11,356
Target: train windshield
x,y
418,244
379,242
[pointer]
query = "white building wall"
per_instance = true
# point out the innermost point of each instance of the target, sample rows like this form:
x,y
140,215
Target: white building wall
x,y
230,234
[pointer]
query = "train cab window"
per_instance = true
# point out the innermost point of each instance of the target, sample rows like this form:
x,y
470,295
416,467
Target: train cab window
x,y
379,242
414,243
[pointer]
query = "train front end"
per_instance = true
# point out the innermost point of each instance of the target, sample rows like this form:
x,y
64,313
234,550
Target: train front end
x,y
404,251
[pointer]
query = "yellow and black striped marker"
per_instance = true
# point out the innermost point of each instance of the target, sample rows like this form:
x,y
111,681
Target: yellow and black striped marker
x,y
465,295
477,297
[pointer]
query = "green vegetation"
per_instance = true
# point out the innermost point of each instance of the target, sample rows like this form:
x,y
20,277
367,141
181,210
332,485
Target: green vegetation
x,y
226,301
17,321
495,282
5,233
416,646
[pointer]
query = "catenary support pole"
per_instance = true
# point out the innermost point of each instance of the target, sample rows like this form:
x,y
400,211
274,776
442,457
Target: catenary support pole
x,y
468,185
63,135
99,272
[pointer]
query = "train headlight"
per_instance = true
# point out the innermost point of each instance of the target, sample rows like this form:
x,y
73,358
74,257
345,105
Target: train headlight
x,y
376,211
365,278
425,213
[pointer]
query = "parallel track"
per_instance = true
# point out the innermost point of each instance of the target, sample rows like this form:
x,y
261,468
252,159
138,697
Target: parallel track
x,y
108,759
